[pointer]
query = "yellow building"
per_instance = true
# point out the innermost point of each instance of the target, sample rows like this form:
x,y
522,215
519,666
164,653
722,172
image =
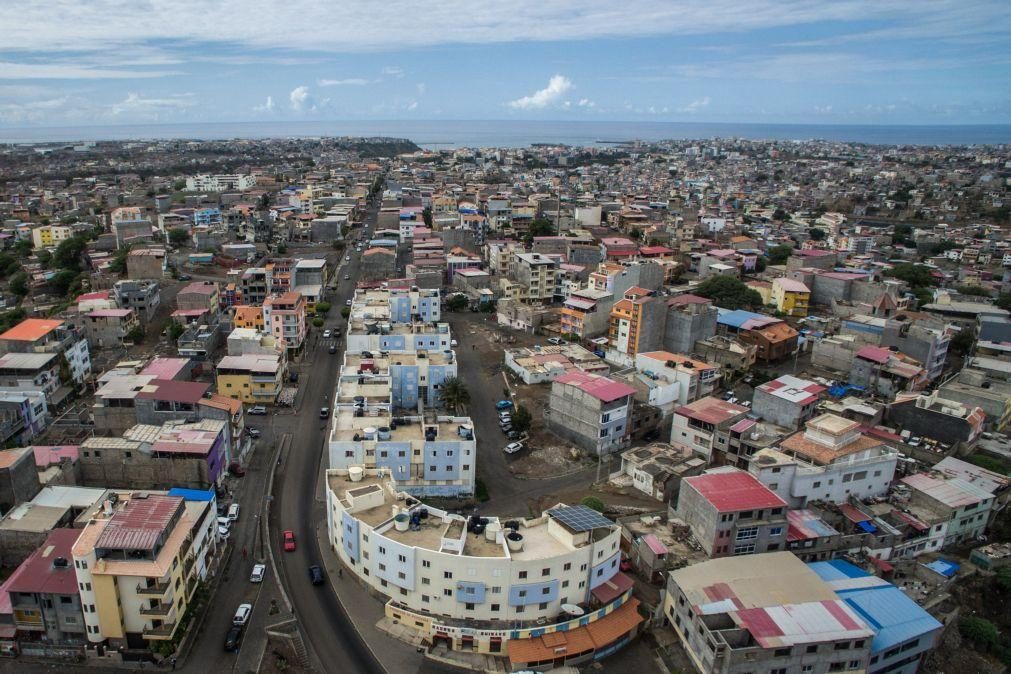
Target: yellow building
x,y
47,236
791,297
248,317
251,378
138,562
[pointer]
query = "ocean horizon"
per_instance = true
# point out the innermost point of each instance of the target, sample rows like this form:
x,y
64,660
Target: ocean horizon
x,y
442,134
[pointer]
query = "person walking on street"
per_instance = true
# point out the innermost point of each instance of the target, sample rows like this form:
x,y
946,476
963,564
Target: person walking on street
x,y
243,552
172,662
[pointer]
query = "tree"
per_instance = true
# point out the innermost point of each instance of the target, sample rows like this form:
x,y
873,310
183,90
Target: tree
x,y
178,236
68,254
760,264
454,393
916,275
593,503
345,312
174,330
816,234
8,265
282,249
727,292
962,342
136,335
521,419
179,185
23,248
118,264
539,227
778,254
780,215
18,284
317,322
980,631
45,258
457,302
63,281
323,308
1004,578
975,291
426,215
1004,301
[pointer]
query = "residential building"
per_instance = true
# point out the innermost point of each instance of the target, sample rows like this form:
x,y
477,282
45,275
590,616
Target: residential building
x,y
39,335
537,276
230,182
731,513
636,324
904,633
586,313
255,379
738,444
658,470
732,355
378,263
675,379
255,285
505,577
145,263
926,339
245,316
832,460
108,328
790,297
310,272
933,415
957,506
974,388
143,297
768,613
689,319
50,236
787,401
191,455
284,317
695,425
885,372
136,566
774,339
591,411
43,593
25,527
19,478
200,296
23,415
546,363
30,372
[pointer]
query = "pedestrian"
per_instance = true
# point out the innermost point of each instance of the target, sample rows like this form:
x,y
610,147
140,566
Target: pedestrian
x,y
243,552
340,572
173,662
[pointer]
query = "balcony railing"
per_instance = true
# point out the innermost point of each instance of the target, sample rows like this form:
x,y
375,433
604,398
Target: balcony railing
x,y
163,631
158,589
161,610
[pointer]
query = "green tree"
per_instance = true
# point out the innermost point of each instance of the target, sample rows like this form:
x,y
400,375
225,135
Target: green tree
x,y
68,254
1004,578
8,265
778,254
916,275
593,503
178,236
976,291
980,631
9,319
780,215
63,281
727,292
323,308
760,264
174,330
1004,301
23,247
345,312
118,264
136,335
179,185
18,284
317,322
454,393
426,215
962,342
539,227
456,303
282,249
816,234
521,419
45,258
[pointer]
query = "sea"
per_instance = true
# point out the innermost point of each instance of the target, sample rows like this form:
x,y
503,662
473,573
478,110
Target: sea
x,y
512,133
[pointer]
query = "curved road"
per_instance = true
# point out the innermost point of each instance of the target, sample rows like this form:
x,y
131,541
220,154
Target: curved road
x,y
331,636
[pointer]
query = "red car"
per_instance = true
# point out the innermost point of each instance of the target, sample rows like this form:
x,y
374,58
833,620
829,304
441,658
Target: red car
x,y
289,540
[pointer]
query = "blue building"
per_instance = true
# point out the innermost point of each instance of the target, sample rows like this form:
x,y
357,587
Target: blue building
x,y
903,631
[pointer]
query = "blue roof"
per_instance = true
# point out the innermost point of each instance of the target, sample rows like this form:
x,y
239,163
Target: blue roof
x,y
894,617
192,494
943,567
867,526
737,318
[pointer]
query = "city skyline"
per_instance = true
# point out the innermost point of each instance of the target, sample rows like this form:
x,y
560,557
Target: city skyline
x,y
772,62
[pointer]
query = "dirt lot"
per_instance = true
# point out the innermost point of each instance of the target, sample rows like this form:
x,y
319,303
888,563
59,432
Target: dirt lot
x,y
618,499
279,657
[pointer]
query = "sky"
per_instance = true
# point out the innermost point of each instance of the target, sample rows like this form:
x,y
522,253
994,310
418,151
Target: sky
x,y
112,62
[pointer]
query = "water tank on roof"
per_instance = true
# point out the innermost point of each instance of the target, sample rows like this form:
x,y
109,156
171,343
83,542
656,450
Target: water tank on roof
x,y
370,432
383,432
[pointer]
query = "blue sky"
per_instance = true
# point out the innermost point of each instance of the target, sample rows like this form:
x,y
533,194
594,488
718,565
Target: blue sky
x,y
71,62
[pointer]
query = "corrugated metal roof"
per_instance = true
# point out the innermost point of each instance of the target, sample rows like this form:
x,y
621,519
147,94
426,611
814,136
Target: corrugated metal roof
x,y
734,491
139,523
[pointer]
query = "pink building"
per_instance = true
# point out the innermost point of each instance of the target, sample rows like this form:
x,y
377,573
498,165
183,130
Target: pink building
x,y
284,317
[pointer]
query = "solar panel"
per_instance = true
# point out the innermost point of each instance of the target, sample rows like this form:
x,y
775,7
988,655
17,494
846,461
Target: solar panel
x,y
580,518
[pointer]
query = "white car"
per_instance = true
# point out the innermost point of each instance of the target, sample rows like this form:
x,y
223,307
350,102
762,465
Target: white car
x,y
257,410
259,571
224,522
347,258
223,533
347,277
512,447
557,341
241,616
233,512
453,343
347,302
326,334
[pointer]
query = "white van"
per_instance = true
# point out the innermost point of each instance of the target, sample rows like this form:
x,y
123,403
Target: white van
x,y
233,512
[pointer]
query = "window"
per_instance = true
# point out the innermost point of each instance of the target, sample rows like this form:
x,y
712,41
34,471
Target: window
x,y
841,645
401,575
66,600
448,575
545,590
447,592
523,574
401,558
522,593
775,531
745,549
746,515
543,606
747,533
469,606
496,589
567,567
816,484
426,564
854,664
545,572
494,607
425,598
813,648
782,653
426,581
565,583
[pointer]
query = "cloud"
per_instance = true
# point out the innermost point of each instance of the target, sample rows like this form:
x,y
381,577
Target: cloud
x,y
413,105
348,82
586,103
420,86
62,71
557,87
696,105
393,71
300,98
135,103
268,105
31,111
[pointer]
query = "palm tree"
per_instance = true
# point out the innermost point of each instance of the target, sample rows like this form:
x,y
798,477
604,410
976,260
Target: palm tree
x,y
454,393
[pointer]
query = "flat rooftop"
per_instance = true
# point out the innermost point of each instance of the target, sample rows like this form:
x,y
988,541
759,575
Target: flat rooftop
x,y
409,429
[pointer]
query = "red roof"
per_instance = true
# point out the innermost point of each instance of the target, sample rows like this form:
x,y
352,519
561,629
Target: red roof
x,y
46,456
601,388
176,391
734,491
140,522
875,353
31,329
611,589
852,514
37,573
711,410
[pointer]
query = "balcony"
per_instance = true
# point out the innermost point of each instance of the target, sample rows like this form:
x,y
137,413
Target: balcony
x,y
159,611
155,590
163,631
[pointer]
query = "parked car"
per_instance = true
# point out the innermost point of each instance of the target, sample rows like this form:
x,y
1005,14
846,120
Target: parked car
x,y
253,431
333,349
453,343
347,277
233,639
513,435
257,410
185,277
224,522
293,377
505,416
504,404
598,353
233,512
506,427
347,302
289,540
242,613
324,412
316,574
326,334
513,447
557,341
236,469
223,533
259,571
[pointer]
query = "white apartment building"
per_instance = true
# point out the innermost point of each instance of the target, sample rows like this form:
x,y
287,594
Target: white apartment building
x,y
430,561
832,460
222,182
676,379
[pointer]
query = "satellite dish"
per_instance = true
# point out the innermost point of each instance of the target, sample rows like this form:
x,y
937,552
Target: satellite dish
x,y
573,609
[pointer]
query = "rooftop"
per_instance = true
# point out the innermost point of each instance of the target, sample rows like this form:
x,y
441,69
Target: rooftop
x,y
139,522
604,389
953,492
793,389
711,410
40,574
27,361
31,330
732,490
